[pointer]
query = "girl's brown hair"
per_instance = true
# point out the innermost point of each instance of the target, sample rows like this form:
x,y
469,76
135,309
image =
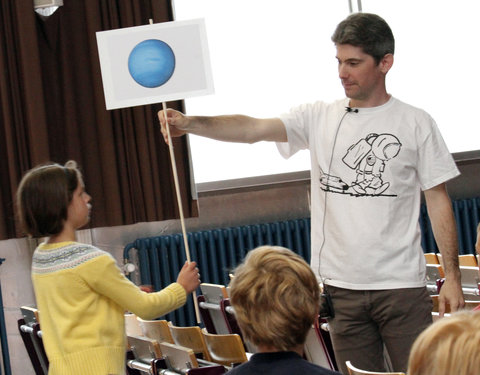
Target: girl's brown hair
x,y
43,197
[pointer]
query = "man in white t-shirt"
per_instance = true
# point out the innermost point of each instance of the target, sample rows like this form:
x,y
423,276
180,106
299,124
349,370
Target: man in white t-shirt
x,y
371,157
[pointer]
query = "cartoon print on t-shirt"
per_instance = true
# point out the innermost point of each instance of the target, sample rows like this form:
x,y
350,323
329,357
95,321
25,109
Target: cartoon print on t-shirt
x,y
367,157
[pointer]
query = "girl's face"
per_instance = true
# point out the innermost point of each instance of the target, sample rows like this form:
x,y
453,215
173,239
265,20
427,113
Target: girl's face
x,y
79,207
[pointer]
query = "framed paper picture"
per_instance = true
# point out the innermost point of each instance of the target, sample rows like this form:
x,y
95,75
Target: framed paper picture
x,y
154,63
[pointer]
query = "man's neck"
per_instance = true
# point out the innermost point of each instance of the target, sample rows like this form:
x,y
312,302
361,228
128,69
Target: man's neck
x,y
371,102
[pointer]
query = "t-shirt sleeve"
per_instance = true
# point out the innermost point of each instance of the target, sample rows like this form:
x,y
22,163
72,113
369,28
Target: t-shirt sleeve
x,y
296,123
435,162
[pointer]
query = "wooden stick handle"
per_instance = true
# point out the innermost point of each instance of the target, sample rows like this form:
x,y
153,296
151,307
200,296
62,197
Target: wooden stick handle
x,y
180,206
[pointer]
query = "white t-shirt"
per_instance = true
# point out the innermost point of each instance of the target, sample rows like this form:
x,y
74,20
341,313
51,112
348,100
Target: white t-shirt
x,y
368,170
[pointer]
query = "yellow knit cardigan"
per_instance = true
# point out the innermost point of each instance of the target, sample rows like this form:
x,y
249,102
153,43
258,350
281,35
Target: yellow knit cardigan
x,y
82,296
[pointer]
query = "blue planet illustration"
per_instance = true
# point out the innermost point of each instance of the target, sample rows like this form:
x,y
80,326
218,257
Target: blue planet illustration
x,y
151,63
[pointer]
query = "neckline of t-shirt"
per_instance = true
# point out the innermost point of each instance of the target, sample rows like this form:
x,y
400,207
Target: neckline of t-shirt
x,y
369,110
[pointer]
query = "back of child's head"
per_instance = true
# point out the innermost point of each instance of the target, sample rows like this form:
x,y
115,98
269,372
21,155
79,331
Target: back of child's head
x,y
449,346
275,295
43,197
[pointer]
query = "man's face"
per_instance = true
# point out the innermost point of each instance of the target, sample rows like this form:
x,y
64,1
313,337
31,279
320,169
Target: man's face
x,y
362,78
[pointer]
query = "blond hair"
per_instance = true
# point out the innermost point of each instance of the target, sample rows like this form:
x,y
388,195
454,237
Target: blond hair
x,y
275,295
449,346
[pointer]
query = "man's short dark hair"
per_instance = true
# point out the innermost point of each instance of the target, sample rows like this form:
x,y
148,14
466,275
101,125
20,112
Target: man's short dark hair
x,y
368,31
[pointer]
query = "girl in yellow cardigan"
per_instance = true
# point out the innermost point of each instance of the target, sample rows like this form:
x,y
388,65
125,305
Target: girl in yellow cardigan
x,y
81,293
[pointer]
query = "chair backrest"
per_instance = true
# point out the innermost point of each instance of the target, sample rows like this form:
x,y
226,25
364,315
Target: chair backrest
x,y
132,326
190,337
30,314
210,309
470,305
228,313
434,274
431,258
213,293
315,349
156,329
470,279
179,358
144,348
468,260
225,349
31,337
352,370
440,259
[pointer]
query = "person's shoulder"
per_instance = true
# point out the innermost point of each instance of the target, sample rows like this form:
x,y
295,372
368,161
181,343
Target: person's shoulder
x,y
313,369
64,256
404,106
320,105
239,370
87,250
323,371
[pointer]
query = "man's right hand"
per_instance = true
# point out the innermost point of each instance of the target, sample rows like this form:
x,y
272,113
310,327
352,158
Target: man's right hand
x,y
177,122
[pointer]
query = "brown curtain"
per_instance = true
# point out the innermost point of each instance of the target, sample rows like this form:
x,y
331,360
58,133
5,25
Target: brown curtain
x,y
52,108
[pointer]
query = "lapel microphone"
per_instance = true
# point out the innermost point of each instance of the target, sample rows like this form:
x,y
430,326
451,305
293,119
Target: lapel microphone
x,y
350,109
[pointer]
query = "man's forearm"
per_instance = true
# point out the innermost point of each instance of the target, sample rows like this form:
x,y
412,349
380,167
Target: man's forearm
x,y
237,128
444,229
228,128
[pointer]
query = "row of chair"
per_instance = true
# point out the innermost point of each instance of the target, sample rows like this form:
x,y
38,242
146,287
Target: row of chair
x,y
29,328
147,354
469,271
225,349
468,260
220,324
168,357
219,318
152,357
352,370
158,344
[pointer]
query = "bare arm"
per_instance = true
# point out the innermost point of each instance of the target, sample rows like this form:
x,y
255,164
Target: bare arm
x,y
477,244
440,212
229,128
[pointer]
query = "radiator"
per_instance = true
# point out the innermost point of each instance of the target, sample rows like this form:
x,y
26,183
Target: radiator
x,y
218,251
467,217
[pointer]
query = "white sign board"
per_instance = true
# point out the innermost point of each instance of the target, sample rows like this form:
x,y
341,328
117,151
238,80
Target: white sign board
x,y
154,63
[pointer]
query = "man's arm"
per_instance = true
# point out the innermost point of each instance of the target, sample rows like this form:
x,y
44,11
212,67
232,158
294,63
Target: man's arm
x,y
440,212
477,244
229,128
